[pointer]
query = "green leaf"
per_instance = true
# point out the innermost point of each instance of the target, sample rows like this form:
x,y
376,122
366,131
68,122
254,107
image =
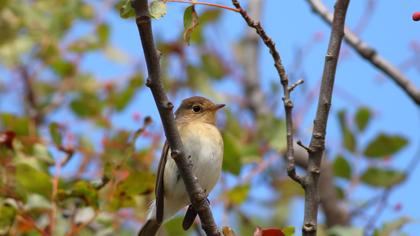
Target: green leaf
x,y
231,160
362,118
386,178
345,231
38,202
174,227
190,22
207,17
137,183
102,31
20,125
210,15
157,9
238,194
30,180
126,10
385,145
87,104
273,130
349,141
7,217
390,228
213,66
63,68
85,191
55,133
122,99
41,153
288,230
250,152
342,167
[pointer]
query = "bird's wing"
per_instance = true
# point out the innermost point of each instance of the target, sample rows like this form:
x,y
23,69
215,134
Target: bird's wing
x,y
159,191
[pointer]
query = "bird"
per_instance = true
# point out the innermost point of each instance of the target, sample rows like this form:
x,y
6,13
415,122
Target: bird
x,y
203,144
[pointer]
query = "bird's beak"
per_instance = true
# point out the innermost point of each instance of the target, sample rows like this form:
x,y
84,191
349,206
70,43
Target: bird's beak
x,y
217,107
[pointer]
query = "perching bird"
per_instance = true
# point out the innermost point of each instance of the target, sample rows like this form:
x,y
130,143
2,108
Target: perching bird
x,y
203,143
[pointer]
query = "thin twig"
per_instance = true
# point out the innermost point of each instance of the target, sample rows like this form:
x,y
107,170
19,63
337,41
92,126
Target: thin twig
x,y
288,104
58,166
370,54
370,225
205,4
317,144
196,194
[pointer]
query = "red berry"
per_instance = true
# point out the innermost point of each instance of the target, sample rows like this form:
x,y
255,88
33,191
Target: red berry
x,y
416,16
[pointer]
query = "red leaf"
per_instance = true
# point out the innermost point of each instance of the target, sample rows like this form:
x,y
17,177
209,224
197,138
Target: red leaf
x,y
6,139
416,16
268,232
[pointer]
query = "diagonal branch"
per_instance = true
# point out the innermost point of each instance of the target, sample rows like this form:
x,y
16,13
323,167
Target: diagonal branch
x,y
370,54
165,107
288,104
317,144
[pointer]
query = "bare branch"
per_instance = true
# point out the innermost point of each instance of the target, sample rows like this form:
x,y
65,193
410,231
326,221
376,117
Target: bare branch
x,y
317,144
288,104
370,54
257,104
329,201
165,107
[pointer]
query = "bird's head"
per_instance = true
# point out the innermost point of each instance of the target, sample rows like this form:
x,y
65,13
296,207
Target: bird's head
x,y
197,109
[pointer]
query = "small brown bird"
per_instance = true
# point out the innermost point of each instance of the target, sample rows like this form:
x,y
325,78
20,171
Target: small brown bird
x,y
203,143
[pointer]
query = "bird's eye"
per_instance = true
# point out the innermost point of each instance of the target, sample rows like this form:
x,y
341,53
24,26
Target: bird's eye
x,y
196,108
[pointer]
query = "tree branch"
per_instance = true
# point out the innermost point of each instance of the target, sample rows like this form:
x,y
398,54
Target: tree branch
x,y
288,104
329,201
317,144
370,54
196,194
334,214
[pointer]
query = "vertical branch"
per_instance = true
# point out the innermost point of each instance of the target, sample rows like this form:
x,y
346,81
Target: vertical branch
x,y
317,144
165,107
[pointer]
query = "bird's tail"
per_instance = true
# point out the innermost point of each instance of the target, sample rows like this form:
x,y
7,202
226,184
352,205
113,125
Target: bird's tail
x,y
149,228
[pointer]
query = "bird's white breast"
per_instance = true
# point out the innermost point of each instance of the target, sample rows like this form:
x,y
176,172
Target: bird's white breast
x,y
204,145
